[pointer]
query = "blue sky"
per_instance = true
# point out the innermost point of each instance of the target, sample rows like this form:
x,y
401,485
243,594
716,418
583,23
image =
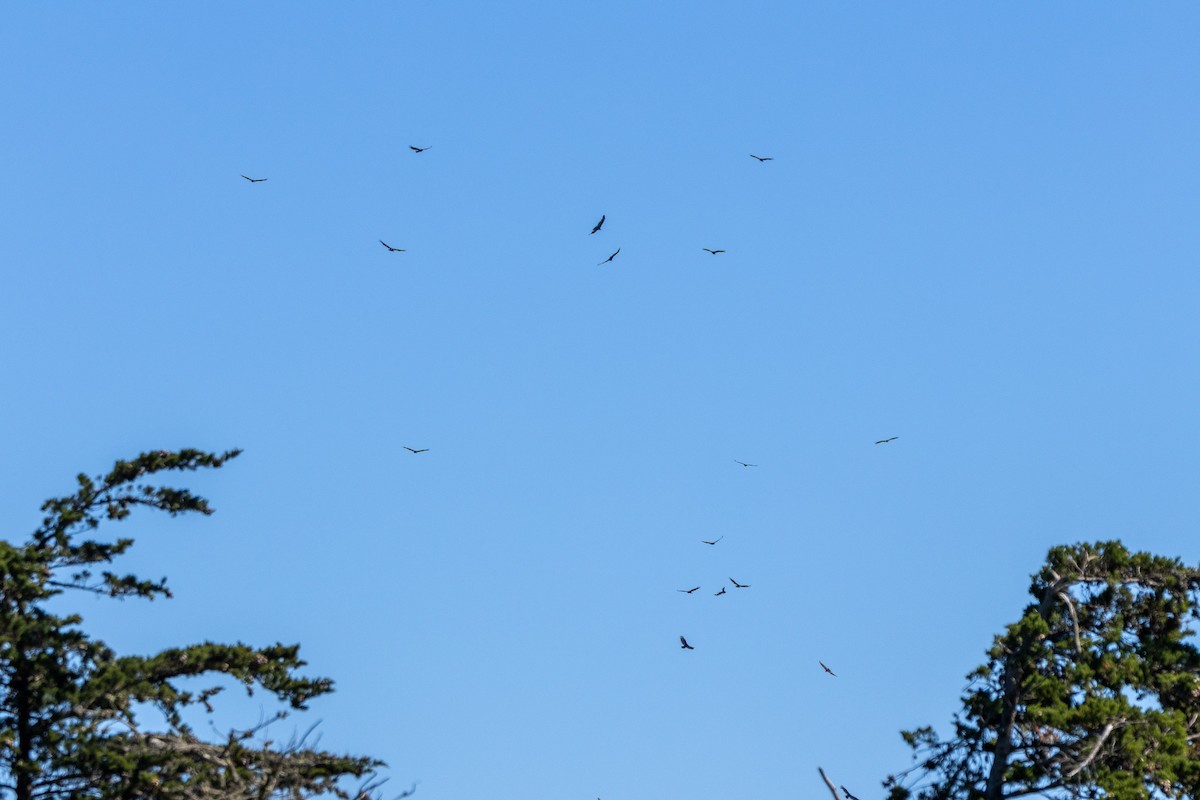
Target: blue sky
x,y
977,235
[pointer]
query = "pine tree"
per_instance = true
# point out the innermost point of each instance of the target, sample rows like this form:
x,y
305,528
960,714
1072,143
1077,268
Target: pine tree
x,y
69,706
1094,692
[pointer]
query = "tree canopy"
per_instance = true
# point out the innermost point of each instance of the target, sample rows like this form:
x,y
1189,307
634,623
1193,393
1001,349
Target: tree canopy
x,y
1094,692
72,710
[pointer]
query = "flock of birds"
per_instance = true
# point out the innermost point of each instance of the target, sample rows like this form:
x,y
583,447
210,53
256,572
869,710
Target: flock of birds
x,y
596,229
683,642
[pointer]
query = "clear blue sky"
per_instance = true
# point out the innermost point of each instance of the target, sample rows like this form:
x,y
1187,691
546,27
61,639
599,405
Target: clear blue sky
x,y
978,234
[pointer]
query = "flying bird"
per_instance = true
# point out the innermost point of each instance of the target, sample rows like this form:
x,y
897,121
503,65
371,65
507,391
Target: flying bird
x,y
254,180
847,793
744,464
599,224
714,252
610,258
418,149
718,594
389,247
762,158
686,646
714,541
885,441
422,450
739,585
827,669
687,591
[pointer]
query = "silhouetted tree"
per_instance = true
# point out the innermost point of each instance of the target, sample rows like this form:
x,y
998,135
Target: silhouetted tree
x,y
70,725
1093,693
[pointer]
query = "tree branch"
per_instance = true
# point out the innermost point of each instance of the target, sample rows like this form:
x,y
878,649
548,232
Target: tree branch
x,y
829,783
1108,729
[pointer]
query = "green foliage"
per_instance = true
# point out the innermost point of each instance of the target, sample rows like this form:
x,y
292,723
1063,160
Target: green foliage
x,y
69,721
1094,692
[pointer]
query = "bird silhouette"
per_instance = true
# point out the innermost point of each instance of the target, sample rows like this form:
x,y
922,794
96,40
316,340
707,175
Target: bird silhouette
x,y
847,793
762,158
885,441
827,669
254,180
714,252
718,594
389,247
687,591
739,585
744,464
422,450
714,541
598,224
418,149
686,646
610,258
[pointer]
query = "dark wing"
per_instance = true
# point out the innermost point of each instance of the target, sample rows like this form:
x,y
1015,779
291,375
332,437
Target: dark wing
x,y
248,178
684,642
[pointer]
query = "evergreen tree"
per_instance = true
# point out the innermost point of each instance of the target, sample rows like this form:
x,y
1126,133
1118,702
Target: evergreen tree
x,y
69,721
1094,692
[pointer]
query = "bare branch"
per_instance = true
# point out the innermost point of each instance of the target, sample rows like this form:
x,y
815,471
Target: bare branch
x,y
1074,620
1104,734
829,783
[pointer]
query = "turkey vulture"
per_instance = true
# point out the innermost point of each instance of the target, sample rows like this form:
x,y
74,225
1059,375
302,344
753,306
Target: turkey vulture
x,y
254,180
687,591
714,252
827,669
762,158
718,594
598,225
389,247
418,149
422,450
739,585
885,441
610,258
744,464
686,646
714,541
